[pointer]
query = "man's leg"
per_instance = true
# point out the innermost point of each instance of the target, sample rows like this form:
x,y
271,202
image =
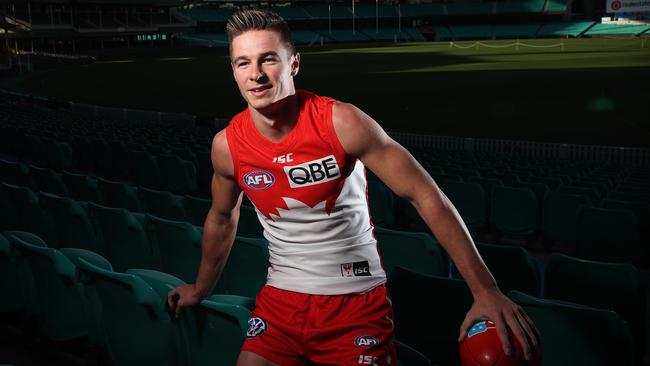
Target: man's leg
x,y
247,358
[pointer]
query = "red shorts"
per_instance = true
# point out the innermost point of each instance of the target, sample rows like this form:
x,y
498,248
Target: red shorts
x,y
291,328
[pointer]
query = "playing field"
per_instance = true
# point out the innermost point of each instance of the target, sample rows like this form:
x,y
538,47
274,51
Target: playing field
x,y
568,90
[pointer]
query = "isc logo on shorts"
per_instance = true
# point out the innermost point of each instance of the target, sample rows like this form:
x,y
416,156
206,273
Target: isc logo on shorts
x,y
312,172
259,179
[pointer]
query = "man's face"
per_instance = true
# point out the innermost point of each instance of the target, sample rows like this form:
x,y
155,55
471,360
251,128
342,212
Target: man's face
x,y
263,67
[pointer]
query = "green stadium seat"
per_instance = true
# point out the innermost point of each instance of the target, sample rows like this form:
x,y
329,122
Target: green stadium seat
x,y
515,212
249,224
608,235
616,29
560,218
179,244
578,335
196,209
62,304
140,331
512,267
446,300
245,272
53,154
414,251
603,285
471,202
118,194
381,202
124,240
145,169
20,282
215,331
407,356
179,176
23,203
519,7
163,204
81,187
47,180
15,173
72,226
557,6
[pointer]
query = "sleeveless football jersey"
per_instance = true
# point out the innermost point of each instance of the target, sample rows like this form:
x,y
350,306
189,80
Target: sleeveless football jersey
x,y
310,197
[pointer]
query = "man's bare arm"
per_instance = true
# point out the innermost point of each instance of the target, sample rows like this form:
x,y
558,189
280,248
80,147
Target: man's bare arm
x,y
219,229
362,137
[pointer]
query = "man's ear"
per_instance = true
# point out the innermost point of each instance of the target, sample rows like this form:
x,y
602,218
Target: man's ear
x,y
295,64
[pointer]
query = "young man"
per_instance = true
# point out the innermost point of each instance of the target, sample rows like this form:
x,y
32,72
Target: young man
x,y
300,159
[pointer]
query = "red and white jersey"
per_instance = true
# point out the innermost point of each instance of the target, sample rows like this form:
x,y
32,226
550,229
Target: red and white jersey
x,y
310,197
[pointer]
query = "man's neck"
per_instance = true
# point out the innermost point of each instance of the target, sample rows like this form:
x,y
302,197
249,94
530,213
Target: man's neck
x,y
276,121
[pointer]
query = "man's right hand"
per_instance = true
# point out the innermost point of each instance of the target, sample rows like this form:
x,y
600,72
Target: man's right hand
x,y
181,297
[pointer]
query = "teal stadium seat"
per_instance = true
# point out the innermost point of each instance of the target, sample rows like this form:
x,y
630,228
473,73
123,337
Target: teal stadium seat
x,y
139,330
179,244
47,180
123,239
414,251
577,335
145,169
72,227
608,235
196,209
249,224
515,212
119,194
445,300
246,270
28,216
163,204
81,187
519,7
15,173
612,286
179,176
560,219
381,203
471,202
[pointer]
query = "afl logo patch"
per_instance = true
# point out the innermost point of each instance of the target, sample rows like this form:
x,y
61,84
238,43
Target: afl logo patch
x,y
256,326
366,341
259,179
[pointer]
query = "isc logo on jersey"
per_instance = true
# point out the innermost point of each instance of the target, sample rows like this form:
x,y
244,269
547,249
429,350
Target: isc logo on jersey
x,y
259,179
313,172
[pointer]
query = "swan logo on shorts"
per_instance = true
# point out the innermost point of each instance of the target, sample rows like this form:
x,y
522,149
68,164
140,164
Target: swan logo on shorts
x,y
366,341
256,326
259,179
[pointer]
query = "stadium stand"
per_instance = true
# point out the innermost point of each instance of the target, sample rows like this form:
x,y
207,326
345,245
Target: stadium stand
x,y
616,29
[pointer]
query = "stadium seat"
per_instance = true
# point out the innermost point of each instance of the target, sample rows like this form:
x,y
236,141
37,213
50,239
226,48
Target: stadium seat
x,y
249,224
15,173
577,335
436,336
145,169
611,286
23,203
53,154
196,209
245,272
471,202
47,180
512,267
414,251
179,176
380,202
215,331
81,187
407,356
179,244
12,285
62,305
608,235
588,192
515,212
123,239
560,218
118,194
163,204
72,227
140,331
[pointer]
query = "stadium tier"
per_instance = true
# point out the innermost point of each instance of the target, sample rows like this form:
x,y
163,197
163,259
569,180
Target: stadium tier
x,y
565,29
516,30
520,7
472,31
557,6
422,10
470,8
616,29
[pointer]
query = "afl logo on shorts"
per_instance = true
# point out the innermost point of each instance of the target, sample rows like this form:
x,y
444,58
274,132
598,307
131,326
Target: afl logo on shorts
x,y
256,326
259,179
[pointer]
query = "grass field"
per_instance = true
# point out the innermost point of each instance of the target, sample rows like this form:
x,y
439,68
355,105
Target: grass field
x,y
572,90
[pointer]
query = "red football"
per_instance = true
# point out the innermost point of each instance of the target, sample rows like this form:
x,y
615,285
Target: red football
x,y
482,347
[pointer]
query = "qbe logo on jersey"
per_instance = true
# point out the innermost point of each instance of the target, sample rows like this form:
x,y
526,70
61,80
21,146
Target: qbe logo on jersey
x,y
313,172
259,179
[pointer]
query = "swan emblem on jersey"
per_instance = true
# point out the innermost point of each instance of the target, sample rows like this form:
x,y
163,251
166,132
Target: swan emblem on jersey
x,y
259,179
